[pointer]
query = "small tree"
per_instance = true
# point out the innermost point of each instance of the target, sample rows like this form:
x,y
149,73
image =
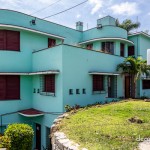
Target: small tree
x,y
128,25
134,67
20,135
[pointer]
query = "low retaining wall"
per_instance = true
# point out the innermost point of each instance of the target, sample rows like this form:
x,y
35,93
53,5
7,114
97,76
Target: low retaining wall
x,y
59,139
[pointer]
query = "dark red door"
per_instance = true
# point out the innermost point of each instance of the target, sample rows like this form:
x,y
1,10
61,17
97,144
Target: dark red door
x,y
38,136
127,86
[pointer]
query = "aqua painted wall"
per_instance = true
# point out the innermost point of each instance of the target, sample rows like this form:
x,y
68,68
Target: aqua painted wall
x,y
73,63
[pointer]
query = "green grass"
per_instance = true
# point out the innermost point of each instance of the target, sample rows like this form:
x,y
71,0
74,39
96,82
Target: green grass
x,y
106,127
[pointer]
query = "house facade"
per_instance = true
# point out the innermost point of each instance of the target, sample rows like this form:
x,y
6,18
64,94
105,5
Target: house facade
x,y
45,66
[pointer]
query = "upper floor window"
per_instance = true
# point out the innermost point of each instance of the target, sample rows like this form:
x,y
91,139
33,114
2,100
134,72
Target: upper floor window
x,y
131,51
122,48
9,40
108,47
146,84
49,83
51,42
98,83
89,46
9,87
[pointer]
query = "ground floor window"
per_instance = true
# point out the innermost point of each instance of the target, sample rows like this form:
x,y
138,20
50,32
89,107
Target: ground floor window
x,y
98,83
9,87
146,84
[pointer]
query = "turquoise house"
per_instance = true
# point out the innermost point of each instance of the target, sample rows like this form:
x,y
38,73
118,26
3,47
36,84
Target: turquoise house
x,y
45,66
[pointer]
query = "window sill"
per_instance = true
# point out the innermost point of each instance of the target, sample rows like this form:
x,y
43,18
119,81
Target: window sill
x,y
47,94
99,92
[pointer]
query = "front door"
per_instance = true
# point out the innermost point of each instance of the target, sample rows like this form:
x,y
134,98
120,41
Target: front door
x,y
127,86
112,86
38,136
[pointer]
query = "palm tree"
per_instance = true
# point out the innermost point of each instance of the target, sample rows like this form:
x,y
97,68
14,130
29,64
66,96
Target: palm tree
x,y
128,25
134,67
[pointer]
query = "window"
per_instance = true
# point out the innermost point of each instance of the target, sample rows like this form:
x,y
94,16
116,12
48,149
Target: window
x,y
108,47
122,46
9,40
70,91
83,91
51,42
131,51
89,46
49,83
9,87
146,84
77,91
98,83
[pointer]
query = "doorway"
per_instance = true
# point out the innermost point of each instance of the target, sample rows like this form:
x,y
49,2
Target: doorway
x,y
112,86
127,86
38,136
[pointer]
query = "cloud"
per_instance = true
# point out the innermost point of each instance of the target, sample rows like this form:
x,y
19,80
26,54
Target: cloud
x,y
148,14
78,16
125,8
97,4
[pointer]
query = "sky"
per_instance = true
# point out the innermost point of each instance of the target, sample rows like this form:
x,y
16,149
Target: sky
x,y
88,12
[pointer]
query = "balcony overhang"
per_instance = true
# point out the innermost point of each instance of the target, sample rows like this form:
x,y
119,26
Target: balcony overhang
x,y
104,73
31,73
31,113
31,30
107,39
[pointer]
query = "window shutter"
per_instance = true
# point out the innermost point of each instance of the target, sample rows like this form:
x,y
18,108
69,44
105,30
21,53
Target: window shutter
x,y
98,83
50,83
13,40
2,87
130,50
51,42
13,87
2,40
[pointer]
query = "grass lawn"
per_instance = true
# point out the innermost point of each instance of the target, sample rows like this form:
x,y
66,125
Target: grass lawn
x,y
106,127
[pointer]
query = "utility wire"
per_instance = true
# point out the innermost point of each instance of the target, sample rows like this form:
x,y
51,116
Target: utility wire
x,y
65,10
45,7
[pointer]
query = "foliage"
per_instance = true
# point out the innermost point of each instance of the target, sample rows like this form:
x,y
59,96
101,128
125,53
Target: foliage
x,y
128,25
134,67
5,142
21,136
69,108
108,127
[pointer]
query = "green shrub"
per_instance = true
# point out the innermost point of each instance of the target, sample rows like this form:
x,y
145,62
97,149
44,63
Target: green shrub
x,y
5,142
21,136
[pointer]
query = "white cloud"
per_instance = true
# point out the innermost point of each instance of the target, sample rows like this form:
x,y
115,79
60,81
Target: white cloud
x,y
97,4
149,13
78,16
125,8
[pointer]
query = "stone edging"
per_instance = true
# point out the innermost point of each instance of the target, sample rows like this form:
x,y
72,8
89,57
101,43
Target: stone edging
x,y
59,139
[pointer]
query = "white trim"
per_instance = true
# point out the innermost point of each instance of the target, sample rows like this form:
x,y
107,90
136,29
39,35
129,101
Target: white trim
x,y
101,39
31,30
25,115
31,73
13,73
46,72
138,33
104,73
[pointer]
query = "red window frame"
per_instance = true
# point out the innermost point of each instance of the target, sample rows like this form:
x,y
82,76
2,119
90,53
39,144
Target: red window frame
x,y
98,84
146,84
51,42
49,83
9,87
131,51
9,40
89,46
122,48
